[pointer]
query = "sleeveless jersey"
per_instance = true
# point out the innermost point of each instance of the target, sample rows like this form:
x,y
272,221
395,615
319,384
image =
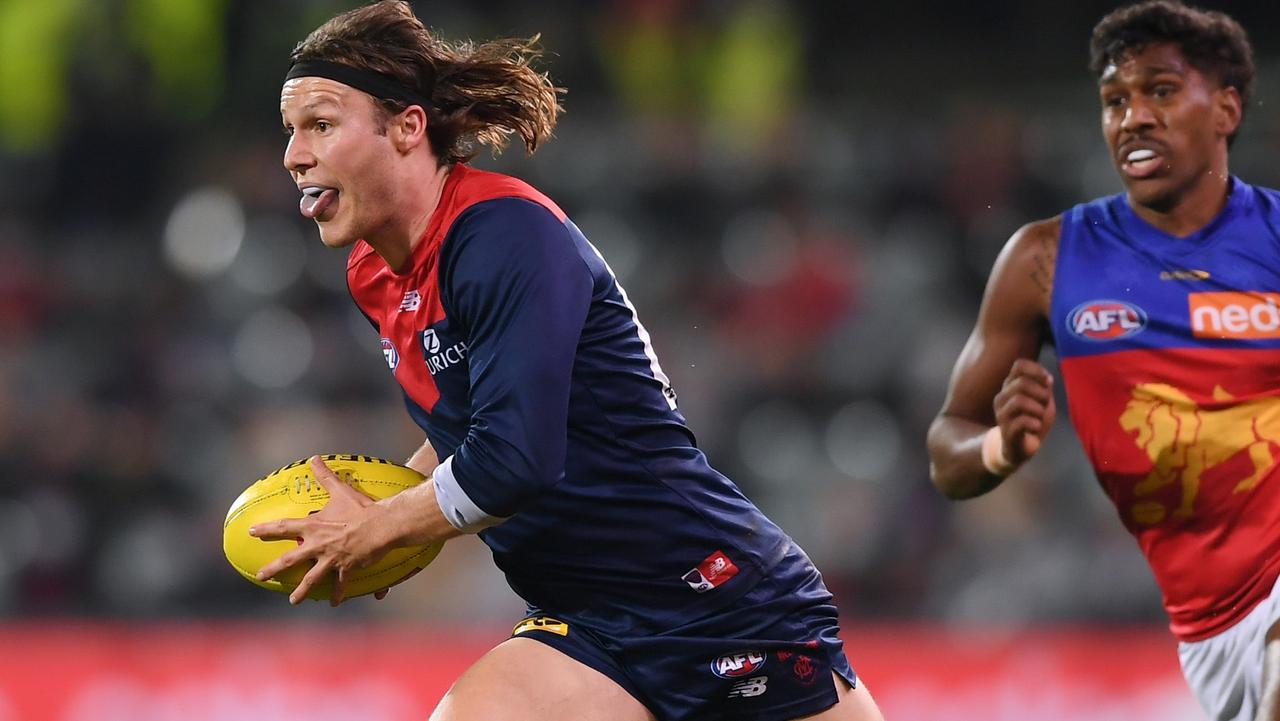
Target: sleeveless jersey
x,y
522,358
1170,356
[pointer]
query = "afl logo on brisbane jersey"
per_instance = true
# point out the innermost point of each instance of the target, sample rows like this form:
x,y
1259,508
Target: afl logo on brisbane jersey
x,y
1101,320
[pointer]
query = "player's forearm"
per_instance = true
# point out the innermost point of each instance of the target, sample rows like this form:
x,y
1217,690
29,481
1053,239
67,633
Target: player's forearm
x,y
424,460
413,517
955,458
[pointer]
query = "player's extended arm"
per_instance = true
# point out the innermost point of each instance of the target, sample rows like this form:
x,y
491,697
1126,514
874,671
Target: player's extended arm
x,y
996,382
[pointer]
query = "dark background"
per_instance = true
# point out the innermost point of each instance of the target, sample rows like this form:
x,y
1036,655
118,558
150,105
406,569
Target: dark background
x,y
803,200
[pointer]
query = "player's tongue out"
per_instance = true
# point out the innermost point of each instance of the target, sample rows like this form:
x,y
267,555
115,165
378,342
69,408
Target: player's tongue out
x,y
316,200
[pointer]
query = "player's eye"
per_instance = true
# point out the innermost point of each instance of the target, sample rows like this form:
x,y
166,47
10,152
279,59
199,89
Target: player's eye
x,y
323,126
287,130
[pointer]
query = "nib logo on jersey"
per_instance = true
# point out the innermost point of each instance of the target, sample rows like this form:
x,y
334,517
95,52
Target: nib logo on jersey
x,y
440,356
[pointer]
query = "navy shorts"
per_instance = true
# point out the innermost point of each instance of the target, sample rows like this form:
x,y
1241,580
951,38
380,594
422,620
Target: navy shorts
x,y
768,656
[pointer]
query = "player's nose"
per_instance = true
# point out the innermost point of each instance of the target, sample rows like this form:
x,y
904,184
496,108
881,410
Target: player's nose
x,y
297,156
1138,114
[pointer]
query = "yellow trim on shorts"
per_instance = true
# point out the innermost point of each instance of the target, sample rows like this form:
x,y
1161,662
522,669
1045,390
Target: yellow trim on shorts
x,y
541,623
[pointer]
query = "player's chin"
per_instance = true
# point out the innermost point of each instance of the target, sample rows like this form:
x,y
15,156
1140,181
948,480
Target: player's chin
x,y
334,236
1154,192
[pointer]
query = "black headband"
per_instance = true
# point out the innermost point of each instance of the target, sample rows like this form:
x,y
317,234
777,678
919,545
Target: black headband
x,y
375,84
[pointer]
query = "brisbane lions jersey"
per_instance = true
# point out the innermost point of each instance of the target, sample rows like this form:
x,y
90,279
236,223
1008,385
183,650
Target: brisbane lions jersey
x,y
1170,353
523,360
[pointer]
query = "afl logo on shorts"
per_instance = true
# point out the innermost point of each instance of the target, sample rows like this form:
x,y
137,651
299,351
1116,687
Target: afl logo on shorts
x,y
733,665
389,352
1099,320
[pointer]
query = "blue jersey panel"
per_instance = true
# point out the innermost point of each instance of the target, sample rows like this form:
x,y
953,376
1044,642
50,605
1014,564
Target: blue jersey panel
x,y
1159,284
558,415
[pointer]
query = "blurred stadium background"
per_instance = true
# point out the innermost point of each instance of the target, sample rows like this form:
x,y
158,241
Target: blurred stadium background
x,y
803,199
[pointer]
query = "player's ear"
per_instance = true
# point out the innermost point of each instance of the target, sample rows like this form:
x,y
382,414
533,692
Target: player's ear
x,y
1228,110
408,128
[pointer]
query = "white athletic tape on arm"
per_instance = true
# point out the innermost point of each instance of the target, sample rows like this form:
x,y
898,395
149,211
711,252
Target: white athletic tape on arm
x,y
993,454
461,512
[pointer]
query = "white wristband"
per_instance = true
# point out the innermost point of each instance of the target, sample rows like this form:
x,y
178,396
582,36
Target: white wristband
x,y
458,508
993,454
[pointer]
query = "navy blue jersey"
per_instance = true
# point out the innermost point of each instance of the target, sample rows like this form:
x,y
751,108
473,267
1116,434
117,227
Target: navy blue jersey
x,y
523,360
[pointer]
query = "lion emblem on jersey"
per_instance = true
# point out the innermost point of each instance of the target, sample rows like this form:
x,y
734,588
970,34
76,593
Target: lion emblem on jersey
x,y
1185,440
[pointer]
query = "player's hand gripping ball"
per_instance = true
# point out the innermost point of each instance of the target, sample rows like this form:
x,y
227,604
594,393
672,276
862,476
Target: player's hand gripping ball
x,y
294,492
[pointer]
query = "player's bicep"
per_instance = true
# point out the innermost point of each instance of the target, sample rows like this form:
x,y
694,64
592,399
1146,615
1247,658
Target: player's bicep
x,y
1011,322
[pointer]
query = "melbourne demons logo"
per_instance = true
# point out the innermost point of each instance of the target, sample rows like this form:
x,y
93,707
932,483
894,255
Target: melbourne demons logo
x,y
1101,320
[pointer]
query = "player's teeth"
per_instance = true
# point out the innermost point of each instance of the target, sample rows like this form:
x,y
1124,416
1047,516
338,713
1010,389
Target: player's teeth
x,y
313,192
1138,155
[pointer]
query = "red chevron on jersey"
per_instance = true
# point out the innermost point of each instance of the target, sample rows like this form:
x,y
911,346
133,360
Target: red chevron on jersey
x,y
403,305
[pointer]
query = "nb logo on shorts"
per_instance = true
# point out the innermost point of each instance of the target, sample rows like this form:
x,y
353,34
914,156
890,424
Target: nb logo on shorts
x,y
712,572
541,623
750,687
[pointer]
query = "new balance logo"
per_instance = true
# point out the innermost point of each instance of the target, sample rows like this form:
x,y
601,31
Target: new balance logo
x,y
411,301
712,572
750,687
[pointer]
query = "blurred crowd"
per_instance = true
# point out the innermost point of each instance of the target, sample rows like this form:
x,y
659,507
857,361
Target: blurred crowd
x,y
802,199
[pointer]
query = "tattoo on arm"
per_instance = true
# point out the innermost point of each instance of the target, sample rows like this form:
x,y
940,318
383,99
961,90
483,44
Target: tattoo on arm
x,y
1043,260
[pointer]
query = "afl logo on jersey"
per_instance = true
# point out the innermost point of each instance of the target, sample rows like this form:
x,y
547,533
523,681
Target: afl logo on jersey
x,y
1099,320
389,352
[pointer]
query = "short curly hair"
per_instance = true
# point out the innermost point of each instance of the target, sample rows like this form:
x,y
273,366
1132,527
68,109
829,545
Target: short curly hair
x,y
1213,42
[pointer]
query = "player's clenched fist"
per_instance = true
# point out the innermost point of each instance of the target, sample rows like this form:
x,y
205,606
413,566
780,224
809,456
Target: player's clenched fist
x,y
1025,412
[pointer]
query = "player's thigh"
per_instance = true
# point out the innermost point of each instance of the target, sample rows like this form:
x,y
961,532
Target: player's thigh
x,y
855,704
524,680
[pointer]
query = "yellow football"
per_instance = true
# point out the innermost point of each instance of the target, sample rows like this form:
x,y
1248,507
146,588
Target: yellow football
x,y
293,492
